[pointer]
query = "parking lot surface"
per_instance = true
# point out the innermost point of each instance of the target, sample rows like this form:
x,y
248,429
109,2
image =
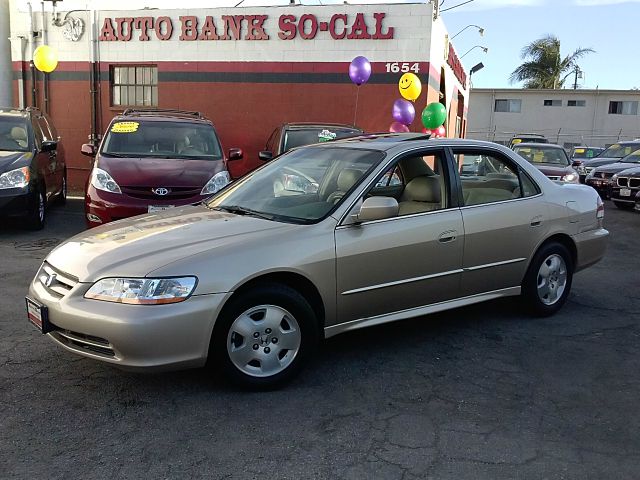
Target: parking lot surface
x,y
479,392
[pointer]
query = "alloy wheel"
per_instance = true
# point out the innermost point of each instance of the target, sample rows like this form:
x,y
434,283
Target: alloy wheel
x,y
552,279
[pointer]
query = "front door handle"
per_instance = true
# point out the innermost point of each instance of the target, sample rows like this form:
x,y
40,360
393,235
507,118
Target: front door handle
x,y
536,221
448,236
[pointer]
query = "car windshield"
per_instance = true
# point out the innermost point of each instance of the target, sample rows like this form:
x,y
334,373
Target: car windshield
x,y
633,158
301,186
13,134
542,154
618,151
162,139
307,136
585,152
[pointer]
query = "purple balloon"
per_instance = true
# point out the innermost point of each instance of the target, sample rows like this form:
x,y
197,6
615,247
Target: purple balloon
x,y
359,70
397,127
403,111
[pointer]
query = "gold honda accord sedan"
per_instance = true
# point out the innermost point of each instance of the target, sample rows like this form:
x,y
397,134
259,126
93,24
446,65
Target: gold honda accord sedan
x,y
322,240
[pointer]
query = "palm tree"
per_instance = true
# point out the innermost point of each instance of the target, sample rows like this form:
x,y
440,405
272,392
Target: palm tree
x,y
544,67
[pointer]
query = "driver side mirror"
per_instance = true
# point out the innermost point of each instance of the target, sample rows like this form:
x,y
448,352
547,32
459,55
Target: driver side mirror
x,y
235,154
88,149
377,208
49,146
265,155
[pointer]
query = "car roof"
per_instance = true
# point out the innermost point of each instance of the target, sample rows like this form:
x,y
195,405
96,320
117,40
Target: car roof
x,y
162,115
387,141
303,125
18,112
538,145
527,135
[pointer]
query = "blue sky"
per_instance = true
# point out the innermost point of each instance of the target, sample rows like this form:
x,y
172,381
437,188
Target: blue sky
x,y
610,27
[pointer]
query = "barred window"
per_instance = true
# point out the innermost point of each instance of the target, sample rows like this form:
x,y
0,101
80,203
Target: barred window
x,y
134,85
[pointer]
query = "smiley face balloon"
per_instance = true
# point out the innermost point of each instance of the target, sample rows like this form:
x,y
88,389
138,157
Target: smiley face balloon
x,y
410,86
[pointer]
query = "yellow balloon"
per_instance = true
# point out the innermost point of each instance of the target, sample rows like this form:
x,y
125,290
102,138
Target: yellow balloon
x,y
410,86
45,58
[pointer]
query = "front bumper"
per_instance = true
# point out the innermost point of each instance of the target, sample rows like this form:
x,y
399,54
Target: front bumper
x,y
591,247
15,201
104,207
135,337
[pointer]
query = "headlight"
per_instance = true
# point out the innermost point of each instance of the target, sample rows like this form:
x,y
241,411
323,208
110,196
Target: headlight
x,y
570,178
218,181
17,178
614,179
142,291
103,181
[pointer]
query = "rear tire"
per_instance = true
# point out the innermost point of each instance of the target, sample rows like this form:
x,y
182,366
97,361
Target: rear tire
x,y
263,337
37,210
547,282
624,205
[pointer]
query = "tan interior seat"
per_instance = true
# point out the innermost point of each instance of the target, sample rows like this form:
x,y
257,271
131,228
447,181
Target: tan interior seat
x,y
347,178
421,194
19,135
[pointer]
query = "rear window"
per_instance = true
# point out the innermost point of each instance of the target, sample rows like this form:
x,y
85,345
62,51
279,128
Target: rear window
x,y
542,154
179,140
307,136
14,135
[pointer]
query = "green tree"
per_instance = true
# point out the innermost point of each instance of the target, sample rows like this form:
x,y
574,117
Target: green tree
x,y
543,65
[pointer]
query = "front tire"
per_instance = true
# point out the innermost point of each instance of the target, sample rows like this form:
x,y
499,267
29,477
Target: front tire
x,y
547,282
62,196
37,210
264,336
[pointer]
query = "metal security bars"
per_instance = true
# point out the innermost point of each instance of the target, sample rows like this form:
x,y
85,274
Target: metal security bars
x,y
134,85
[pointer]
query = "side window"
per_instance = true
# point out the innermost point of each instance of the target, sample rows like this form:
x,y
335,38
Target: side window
x,y
529,188
50,127
44,128
417,182
37,132
488,178
271,143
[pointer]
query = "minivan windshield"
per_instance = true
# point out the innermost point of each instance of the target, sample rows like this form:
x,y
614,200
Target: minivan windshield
x,y
541,154
618,150
13,134
307,136
301,186
633,158
162,139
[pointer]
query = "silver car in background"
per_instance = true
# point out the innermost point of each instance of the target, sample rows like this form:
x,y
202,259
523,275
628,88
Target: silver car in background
x,y
252,279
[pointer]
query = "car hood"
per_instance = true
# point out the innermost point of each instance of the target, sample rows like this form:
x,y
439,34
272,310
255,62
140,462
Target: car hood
x,y
136,246
631,172
596,162
12,160
616,167
160,172
554,170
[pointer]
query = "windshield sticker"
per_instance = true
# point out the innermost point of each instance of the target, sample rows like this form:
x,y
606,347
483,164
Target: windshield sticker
x,y
580,150
589,153
538,156
125,127
516,141
326,136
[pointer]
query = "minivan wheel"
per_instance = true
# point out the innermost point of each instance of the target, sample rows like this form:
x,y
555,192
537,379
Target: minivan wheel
x,y
548,281
37,211
263,337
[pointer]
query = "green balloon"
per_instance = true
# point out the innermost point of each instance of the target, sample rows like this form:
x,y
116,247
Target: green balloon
x,y
434,115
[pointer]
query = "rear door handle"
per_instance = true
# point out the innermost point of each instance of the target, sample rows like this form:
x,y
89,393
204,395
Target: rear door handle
x,y
536,221
448,236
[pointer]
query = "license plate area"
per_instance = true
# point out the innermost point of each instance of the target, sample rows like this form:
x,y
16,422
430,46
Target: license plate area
x,y
158,208
625,192
38,315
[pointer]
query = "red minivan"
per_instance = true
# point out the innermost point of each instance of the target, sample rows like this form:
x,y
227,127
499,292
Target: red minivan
x,y
152,160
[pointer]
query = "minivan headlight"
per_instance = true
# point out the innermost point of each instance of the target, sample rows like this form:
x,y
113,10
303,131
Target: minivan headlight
x,y
101,180
217,182
18,178
142,291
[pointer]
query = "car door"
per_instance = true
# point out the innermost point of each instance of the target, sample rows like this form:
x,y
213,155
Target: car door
x,y
404,262
504,220
44,161
52,134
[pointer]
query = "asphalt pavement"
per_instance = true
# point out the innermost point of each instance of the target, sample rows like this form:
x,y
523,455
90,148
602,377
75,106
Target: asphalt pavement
x,y
484,392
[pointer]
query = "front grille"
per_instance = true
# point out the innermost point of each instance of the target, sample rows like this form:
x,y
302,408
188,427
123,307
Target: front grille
x,y
84,343
56,282
623,181
175,193
634,182
603,175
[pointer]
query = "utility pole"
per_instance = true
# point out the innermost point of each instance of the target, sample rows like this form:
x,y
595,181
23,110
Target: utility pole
x,y
576,70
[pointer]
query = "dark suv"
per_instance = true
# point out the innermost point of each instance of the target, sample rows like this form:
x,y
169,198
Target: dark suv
x,y
613,154
291,135
152,160
32,165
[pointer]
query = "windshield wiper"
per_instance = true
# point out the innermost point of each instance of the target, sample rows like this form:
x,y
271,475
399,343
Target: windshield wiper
x,y
238,210
118,155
